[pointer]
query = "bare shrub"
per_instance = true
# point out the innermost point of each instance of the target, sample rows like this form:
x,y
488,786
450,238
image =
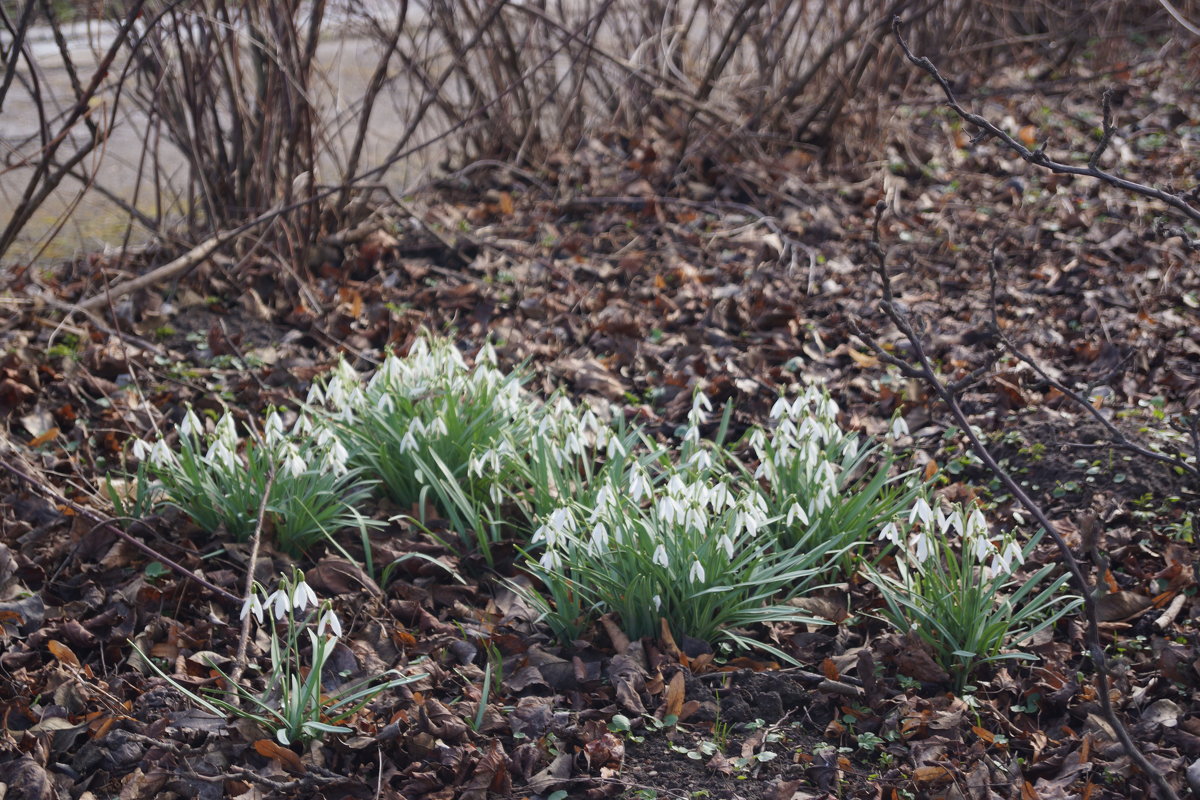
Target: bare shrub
x,y
67,133
242,110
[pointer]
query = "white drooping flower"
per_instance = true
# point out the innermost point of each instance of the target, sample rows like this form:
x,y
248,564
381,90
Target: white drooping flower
x,y
220,455
303,596
981,547
639,484
600,538
335,458
727,544
921,511
253,604
273,429
161,455
329,620
293,463
899,427
892,534
551,561
1002,561
922,545
660,557
192,426
696,573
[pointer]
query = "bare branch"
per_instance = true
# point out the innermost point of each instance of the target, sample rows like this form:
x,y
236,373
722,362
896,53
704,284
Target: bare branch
x,y
1038,156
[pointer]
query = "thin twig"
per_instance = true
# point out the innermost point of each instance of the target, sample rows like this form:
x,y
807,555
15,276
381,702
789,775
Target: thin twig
x,y
239,662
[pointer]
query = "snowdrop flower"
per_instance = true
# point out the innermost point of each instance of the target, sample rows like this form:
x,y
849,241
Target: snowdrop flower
x,y
780,409
758,441
796,512
943,520
329,620
892,534
827,476
336,458
1002,562
922,546
828,408
192,426
719,497
851,447
303,596
981,547
141,450
252,605
692,434
639,484
921,511
726,543
766,469
303,426
600,537
316,397
553,530
409,442
976,524
696,573
615,448
604,499
161,455
700,460
661,558
220,455
669,510
279,603
226,431
293,464
899,427
438,427
551,561
273,428
657,600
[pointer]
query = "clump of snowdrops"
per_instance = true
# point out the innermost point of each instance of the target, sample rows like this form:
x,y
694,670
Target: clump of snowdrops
x,y
826,488
436,432
957,589
220,480
674,539
293,705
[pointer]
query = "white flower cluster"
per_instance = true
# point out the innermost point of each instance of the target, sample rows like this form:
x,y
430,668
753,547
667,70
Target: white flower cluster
x,y
432,379
925,523
805,431
676,522
320,446
290,598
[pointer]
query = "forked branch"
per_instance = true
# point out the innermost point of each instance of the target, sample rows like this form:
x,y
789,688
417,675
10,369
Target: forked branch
x,y
1184,203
